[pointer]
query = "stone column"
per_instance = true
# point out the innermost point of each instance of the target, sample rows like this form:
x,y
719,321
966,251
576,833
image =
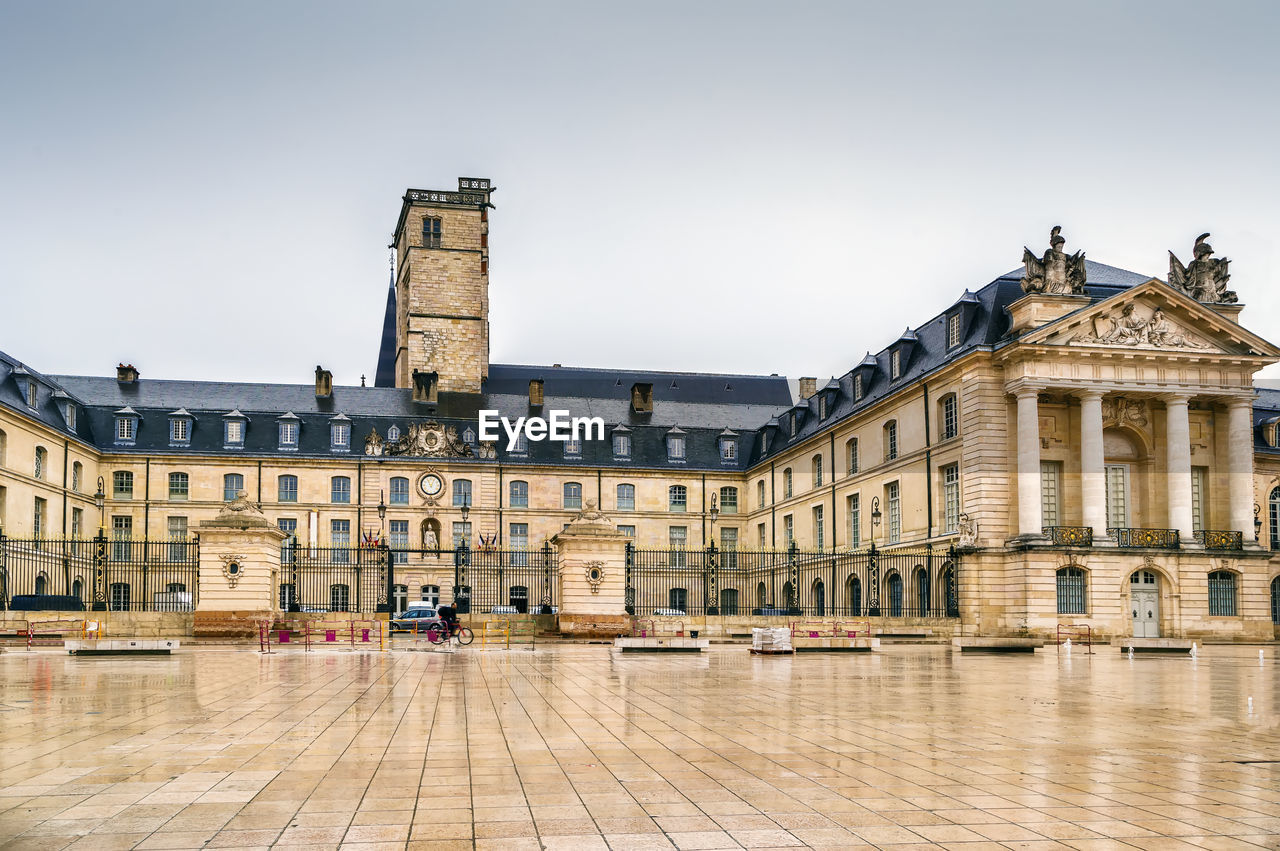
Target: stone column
x,y
593,569
1240,465
239,571
1029,508
1093,481
1178,464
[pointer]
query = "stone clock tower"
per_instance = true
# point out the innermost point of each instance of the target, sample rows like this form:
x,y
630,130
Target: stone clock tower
x,y
442,286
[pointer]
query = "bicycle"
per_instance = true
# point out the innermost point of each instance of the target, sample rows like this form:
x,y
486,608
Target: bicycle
x,y
440,633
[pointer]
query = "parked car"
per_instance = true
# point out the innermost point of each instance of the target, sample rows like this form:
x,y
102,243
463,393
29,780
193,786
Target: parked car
x,y
418,616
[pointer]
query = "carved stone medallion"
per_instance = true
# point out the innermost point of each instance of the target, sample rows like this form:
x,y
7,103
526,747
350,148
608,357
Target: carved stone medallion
x,y
232,567
594,571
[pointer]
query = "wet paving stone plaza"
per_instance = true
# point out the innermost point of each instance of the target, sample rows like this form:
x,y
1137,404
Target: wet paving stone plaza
x,y
575,746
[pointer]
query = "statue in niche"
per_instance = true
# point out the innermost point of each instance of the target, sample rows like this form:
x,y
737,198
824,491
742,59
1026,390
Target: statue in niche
x,y
1204,279
1057,273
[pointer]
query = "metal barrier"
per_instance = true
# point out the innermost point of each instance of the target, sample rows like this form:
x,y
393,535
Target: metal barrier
x,y
1080,633
60,628
357,635
496,629
833,629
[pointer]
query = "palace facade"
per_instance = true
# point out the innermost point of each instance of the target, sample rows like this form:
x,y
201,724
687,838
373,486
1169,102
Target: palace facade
x,y
1089,440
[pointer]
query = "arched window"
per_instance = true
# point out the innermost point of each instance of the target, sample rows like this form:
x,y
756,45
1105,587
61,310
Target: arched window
x,y
461,493
1222,593
819,592
77,589
399,491
1274,516
626,497
950,591
677,498
573,495
786,483
762,596
728,500
518,494
921,579
817,471
789,594
42,585
1275,600
340,489
948,417
894,585
1072,591
122,484
77,475
232,484
890,440
853,595
760,494
287,489
42,462
851,455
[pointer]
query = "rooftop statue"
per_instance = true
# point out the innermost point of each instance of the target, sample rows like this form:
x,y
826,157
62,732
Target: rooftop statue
x,y
1204,279
1057,273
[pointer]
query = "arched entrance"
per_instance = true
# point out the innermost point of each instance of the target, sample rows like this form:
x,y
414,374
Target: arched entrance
x,y
1144,603
853,595
819,598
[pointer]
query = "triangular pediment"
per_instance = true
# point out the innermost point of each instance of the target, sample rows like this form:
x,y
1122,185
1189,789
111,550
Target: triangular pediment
x,y
1152,316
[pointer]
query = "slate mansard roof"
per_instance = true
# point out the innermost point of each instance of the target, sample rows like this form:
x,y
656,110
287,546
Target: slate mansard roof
x,y
702,406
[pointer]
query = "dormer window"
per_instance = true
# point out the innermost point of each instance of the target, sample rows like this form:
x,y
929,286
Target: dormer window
x,y
126,426
31,393
895,365
573,448
233,425
340,435
857,387
69,415
522,445
393,433
431,232
289,427
822,406
179,428
791,424
675,446
953,330
728,449
621,443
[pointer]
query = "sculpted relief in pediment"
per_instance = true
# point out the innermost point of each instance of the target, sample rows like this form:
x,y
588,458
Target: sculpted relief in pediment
x,y
1139,326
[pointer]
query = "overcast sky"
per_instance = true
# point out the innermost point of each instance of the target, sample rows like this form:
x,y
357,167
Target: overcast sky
x,y
208,190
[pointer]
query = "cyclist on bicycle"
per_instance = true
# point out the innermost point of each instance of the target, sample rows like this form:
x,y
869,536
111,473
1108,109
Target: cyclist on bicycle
x,y
449,615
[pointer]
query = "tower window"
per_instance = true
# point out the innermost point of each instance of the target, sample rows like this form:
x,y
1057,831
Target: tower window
x,y
430,232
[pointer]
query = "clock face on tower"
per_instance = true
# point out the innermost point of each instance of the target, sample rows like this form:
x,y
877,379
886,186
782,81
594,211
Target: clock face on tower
x,y
431,485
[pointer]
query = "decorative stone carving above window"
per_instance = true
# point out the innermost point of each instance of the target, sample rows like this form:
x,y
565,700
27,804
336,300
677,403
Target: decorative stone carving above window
x,y
1117,410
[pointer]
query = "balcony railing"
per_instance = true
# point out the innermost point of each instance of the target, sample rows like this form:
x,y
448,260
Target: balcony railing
x,y
1166,539
1069,536
1217,539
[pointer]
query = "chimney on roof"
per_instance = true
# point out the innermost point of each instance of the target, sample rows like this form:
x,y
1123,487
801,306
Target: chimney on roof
x,y
126,374
535,393
324,383
426,387
808,387
642,398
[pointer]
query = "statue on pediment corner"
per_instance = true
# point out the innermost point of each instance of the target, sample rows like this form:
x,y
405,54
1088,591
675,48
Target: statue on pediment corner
x,y
1204,278
1056,273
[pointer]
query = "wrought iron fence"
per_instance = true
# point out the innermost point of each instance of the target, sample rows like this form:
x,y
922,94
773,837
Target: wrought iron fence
x,y
119,574
1215,539
332,579
900,582
490,581
1152,538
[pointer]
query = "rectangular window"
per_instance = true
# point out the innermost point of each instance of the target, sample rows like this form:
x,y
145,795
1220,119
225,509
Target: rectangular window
x,y
461,492
895,365
340,434
124,429
629,531
788,530
399,491
817,471
622,445
677,498
572,495
71,416
122,484
677,540
728,449
675,448
519,495
38,517
822,407
177,537
461,533
729,547
179,486
430,232
819,540
518,536
121,533
77,522
951,498
339,534
1050,493
761,538
893,501
572,448
953,330
522,445
398,540
851,449
179,430
857,387
1117,496
288,435
950,418
232,484
1222,594
890,441
287,489
340,490
1199,496
289,526
855,519
233,432
728,500
626,497
786,483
